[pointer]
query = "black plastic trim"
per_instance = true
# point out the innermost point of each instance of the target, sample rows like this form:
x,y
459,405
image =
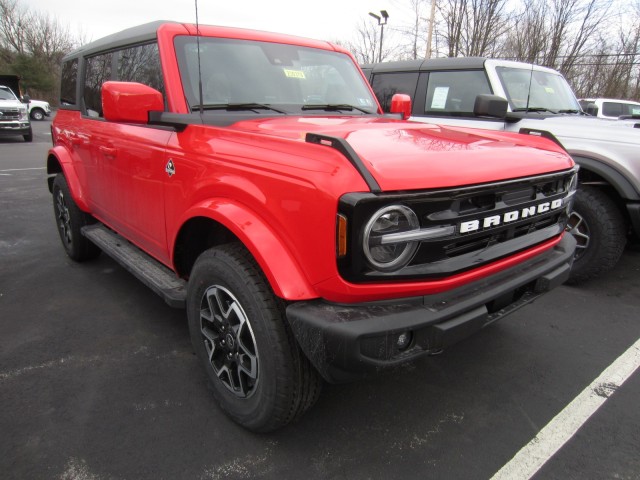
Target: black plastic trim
x,y
343,147
149,271
617,180
345,342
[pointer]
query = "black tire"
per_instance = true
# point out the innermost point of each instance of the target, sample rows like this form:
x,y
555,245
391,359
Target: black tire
x,y
259,375
29,136
37,114
601,232
69,220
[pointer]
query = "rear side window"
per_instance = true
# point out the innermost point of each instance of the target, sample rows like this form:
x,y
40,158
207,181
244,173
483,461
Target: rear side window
x,y
69,82
386,85
97,71
612,109
141,64
454,93
615,109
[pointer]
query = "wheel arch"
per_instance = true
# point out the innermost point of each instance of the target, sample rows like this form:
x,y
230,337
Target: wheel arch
x,y
596,171
217,222
59,161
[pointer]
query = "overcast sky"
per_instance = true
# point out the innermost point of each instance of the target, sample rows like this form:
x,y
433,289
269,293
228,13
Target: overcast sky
x,y
320,19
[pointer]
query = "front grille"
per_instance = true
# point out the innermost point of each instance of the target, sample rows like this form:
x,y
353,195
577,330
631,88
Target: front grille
x,y
9,114
491,222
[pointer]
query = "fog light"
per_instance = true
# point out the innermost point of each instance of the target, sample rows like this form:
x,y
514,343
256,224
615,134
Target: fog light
x,y
404,340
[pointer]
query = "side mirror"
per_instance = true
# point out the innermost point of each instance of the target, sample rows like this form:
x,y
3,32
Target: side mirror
x,y
490,106
129,102
592,109
25,99
401,103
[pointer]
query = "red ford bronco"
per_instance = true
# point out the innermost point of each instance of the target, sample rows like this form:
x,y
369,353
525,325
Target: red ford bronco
x,y
252,179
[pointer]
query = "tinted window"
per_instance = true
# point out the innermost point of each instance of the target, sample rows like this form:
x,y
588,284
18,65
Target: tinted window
x,y
386,85
612,109
68,82
454,93
141,64
97,71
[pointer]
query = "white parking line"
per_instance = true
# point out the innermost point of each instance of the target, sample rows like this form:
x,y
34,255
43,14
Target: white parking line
x,y
22,169
560,430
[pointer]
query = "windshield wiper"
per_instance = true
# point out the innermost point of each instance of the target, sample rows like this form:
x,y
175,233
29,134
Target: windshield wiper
x,y
534,109
570,110
334,107
236,107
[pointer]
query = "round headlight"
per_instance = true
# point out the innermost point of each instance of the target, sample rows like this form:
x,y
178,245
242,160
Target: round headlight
x,y
383,247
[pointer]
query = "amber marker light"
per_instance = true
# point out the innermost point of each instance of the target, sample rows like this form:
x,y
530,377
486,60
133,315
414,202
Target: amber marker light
x,y
342,236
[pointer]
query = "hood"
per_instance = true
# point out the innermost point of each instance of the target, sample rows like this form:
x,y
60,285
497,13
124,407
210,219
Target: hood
x,y
590,128
404,155
11,103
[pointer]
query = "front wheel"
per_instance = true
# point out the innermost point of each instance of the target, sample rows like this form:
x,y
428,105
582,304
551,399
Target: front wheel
x,y
259,375
37,114
69,220
600,231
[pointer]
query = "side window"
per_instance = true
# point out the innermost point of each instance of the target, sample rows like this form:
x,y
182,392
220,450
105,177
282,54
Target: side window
x,y
386,85
612,109
68,82
141,64
97,71
454,93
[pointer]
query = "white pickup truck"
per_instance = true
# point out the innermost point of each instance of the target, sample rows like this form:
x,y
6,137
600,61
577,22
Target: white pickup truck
x,y
14,114
530,99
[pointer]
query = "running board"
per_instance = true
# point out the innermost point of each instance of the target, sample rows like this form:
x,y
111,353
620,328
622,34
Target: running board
x,y
149,271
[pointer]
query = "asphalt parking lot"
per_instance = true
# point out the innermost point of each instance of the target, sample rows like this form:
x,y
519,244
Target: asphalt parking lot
x,y
98,379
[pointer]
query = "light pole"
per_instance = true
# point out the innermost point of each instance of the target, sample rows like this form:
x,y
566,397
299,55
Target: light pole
x,y
382,22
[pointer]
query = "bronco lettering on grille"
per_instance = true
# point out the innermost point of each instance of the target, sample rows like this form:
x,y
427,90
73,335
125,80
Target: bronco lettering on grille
x,y
507,217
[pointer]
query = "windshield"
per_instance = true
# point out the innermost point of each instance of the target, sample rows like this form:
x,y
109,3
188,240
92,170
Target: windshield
x,y
6,94
536,90
271,77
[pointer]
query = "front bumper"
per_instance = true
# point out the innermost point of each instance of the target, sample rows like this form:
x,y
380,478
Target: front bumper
x,y
14,128
345,342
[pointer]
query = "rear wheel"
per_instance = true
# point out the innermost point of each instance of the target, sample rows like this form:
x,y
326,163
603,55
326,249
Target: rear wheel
x,y
259,375
600,231
70,219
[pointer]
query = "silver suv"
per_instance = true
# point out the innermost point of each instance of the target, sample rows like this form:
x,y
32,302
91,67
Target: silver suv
x,y
471,92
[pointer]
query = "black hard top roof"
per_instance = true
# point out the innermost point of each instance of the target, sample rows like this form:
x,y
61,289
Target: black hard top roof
x,y
138,34
449,63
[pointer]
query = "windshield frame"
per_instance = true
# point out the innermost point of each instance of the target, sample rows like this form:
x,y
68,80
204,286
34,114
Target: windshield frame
x,y
283,77
531,89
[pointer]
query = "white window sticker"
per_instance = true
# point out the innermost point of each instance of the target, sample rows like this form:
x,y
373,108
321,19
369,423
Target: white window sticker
x,y
439,98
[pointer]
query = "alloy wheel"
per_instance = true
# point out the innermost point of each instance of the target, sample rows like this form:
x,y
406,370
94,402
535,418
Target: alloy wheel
x,y
578,227
64,218
229,341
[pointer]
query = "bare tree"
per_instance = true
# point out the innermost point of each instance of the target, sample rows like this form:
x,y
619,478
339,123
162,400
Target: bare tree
x,y
413,34
473,27
453,13
527,40
32,45
13,22
366,46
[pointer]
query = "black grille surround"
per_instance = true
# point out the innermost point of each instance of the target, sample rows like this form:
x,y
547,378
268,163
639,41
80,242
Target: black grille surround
x,y
461,251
